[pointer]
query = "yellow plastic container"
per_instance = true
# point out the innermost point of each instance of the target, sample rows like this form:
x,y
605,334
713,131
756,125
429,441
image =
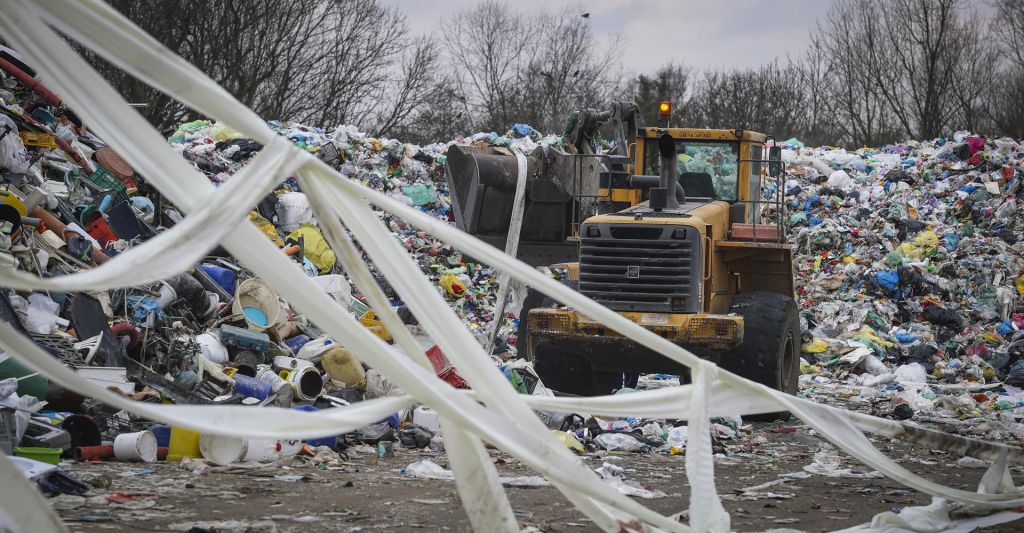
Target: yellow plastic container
x,y
370,322
184,444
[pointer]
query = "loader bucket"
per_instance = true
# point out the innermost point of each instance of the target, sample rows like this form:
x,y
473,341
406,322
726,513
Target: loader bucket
x,y
482,184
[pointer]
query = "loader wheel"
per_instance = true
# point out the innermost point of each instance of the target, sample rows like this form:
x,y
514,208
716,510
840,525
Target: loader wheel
x,y
769,353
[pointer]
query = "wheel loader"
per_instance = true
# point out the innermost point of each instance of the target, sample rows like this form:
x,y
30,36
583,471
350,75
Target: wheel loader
x,y
670,230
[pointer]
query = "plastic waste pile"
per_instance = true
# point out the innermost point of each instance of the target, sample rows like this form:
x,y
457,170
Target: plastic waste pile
x,y
215,335
910,276
412,174
907,256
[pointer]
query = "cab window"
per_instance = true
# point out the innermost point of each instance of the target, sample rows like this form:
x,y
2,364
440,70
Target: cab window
x,y
706,169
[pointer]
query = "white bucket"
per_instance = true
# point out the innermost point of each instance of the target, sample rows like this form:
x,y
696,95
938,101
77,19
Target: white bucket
x,y
426,417
283,362
253,293
289,448
221,450
167,295
263,450
139,446
314,349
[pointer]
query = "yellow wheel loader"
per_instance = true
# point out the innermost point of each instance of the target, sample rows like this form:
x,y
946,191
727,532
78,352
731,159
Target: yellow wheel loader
x,y
672,231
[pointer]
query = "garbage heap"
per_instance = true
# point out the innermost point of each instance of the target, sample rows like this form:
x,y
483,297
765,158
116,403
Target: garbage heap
x,y
910,276
907,258
214,334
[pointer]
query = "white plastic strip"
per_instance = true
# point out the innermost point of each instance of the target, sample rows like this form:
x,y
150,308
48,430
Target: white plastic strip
x,y
706,511
515,227
489,508
246,243
23,503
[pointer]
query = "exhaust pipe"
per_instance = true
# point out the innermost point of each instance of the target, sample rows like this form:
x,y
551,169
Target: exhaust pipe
x,y
661,198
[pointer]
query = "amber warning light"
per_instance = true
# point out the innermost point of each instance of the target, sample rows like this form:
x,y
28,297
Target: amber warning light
x,y
665,110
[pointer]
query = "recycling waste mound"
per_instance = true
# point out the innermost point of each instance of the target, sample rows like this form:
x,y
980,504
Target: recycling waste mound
x,y
910,274
909,270
410,174
254,292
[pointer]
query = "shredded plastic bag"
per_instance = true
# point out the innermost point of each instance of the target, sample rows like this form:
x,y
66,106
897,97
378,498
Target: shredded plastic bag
x,y
266,227
570,441
613,475
619,442
293,211
13,155
815,346
420,194
336,286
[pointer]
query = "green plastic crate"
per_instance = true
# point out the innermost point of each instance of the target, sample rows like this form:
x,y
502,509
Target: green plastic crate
x,y
107,181
46,455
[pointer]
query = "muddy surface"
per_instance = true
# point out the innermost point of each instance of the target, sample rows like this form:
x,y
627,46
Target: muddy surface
x,y
363,493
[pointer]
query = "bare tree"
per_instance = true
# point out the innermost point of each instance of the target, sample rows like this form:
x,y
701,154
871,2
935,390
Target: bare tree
x,y
1004,99
563,72
441,117
768,99
818,124
324,62
415,89
845,43
509,67
671,82
921,49
1010,29
485,45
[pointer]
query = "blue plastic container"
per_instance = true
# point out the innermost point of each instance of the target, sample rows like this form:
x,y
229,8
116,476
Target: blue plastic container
x,y
297,342
330,442
224,277
252,387
162,434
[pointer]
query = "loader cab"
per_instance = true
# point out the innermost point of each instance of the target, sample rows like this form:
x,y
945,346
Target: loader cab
x,y
712,165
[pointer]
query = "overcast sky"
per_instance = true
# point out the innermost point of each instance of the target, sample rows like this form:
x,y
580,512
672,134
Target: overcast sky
x,y
700,33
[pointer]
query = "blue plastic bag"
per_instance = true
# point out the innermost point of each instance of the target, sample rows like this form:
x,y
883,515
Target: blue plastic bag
x,y
523,130
888,280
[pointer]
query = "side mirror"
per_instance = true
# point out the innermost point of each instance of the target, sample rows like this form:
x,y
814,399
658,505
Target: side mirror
x,y
775,165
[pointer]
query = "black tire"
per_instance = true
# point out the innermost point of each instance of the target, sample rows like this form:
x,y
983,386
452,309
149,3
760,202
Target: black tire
x,y
770,352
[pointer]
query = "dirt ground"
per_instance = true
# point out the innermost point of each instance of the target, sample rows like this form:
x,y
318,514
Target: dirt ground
x,y
366,493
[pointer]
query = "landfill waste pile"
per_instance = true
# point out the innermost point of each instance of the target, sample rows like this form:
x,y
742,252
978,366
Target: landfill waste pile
x,y
910,277
909,268
217,335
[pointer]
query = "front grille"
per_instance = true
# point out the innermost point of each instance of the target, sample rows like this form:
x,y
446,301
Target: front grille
x,y
637,274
